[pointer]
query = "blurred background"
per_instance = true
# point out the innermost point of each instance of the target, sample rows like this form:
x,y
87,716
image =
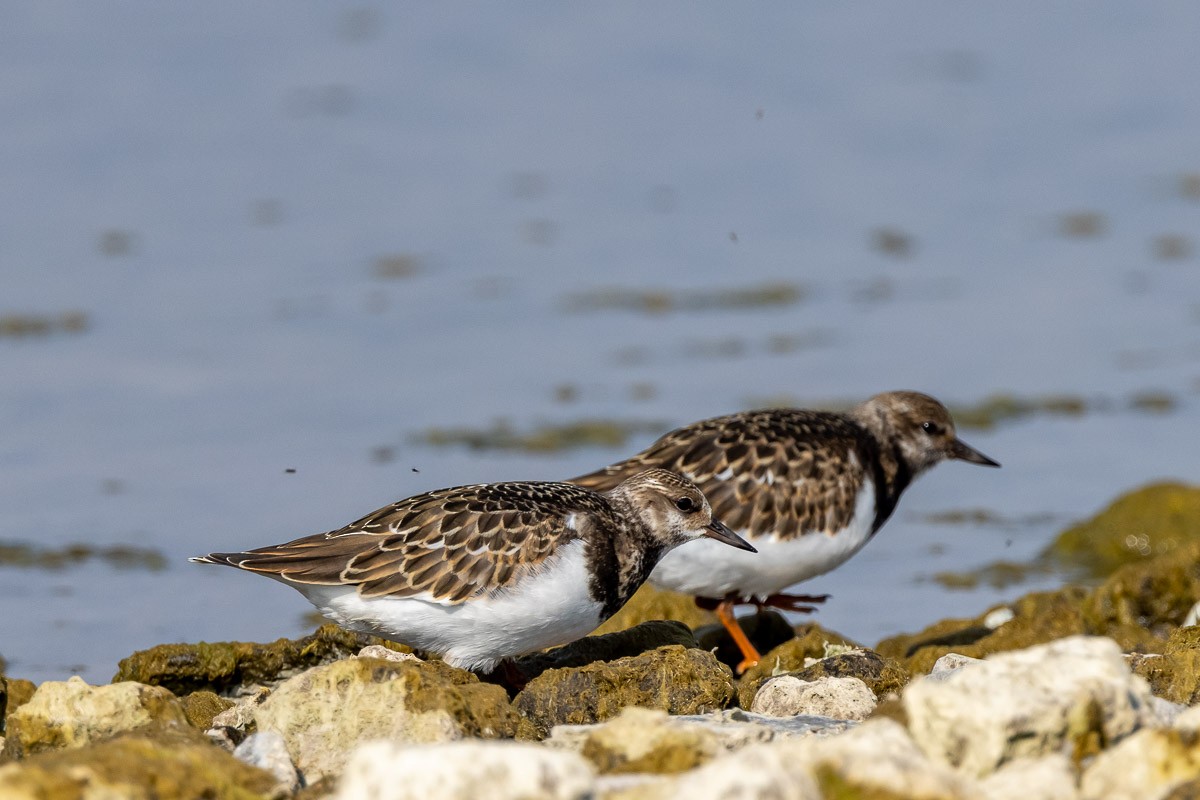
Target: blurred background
x,y
266,267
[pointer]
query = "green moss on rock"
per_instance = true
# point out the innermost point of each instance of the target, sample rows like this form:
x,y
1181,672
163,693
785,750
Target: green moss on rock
x,y
222,666
180,764
14,693
1138,526
609,647
641,740
675,679
1153,595
200,708
810,642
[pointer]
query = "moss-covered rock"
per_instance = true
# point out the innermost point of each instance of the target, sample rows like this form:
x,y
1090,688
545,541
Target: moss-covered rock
x,y
222,667
1036,618
608,647
175,765
66,714
642,740
1175,675
811,642
325,711
649,603
1152,596
201,707
14,693
675,679
1138,526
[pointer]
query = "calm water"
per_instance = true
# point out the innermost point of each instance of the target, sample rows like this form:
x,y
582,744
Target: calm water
x,y
247,239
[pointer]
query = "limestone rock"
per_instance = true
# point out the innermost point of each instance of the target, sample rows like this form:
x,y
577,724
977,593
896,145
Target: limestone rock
x,y
174,764
386,653
227,667
325,711
840,698
883,676
676,679
267,751
951,662
65,714
1077,692
649,741
876,759
465,771
1047,778
1146,765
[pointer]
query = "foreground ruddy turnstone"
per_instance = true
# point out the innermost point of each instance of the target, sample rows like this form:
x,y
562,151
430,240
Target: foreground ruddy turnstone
x,y
807,488
481,573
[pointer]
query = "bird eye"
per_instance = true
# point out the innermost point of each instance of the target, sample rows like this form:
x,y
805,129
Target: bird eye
x,y
932,428
686,504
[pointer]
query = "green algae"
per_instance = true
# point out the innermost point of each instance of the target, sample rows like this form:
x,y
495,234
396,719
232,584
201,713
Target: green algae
x,y
675,679
20,326
547,438
655,301
200,707
646,636
222,667
23,555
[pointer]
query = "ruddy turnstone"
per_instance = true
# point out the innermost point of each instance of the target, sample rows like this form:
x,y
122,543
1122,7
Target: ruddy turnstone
x,y
807,488
481,573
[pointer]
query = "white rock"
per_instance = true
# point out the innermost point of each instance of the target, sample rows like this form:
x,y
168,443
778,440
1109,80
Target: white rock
x,y
952,662
386,653
1046,778
840,698
1144,766
1188,720
268,751
466,770
877,757
1022,703
1193,616
998,616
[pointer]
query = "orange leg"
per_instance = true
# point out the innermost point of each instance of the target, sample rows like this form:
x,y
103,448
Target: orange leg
x,y
750,656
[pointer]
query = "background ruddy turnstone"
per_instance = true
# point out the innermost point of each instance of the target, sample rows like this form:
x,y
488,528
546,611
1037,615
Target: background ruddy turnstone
x,y
807,488
481,573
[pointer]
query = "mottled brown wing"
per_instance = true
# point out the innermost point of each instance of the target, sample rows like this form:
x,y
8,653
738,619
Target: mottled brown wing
x,y
452,544
781,472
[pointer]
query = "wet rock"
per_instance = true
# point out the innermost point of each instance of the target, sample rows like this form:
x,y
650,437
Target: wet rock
x,y
839,698
228,667
325,711
882,675
66,714
1076,693
766,629
1047,778
465,771
267,751
1138,526
170,765
676,679
14,693
649,604
201,707
1148,764
609,647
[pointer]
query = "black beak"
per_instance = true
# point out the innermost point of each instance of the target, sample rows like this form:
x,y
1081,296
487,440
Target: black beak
x,y
722,533
964,452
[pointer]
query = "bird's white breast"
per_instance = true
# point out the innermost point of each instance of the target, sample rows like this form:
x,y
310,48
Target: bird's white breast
x,y
710,569
546,608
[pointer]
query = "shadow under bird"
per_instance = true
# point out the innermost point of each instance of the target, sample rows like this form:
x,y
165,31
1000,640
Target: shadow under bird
x,y
479,574
807,488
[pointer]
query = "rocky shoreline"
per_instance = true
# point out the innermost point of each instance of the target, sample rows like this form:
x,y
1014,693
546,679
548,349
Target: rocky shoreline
x,y
1081,693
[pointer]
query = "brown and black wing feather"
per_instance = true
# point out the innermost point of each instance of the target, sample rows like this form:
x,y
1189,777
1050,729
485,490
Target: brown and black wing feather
x,y
451,544
779,471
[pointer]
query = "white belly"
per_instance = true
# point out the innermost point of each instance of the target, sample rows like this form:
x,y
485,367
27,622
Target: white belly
x,y
550,608
706,568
